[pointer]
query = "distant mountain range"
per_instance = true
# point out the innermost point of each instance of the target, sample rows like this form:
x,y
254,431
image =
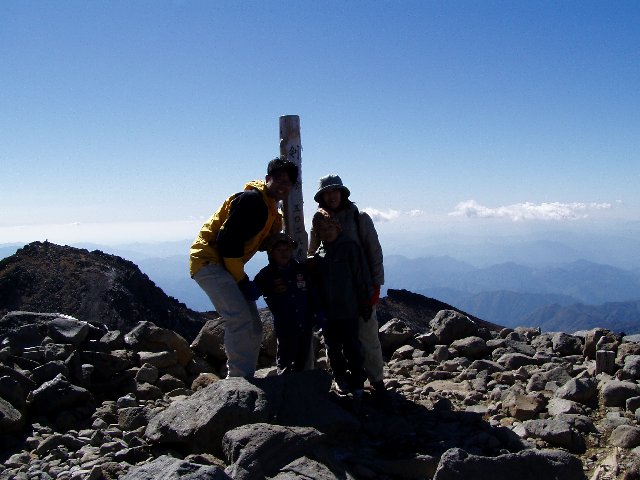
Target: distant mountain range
x,y
556,297
511,294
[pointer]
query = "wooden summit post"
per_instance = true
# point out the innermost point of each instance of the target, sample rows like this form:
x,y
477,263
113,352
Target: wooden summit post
x,y
291,149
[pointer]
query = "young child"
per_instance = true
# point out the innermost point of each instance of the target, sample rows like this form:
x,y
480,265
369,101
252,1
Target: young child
x,y
341,275
284,283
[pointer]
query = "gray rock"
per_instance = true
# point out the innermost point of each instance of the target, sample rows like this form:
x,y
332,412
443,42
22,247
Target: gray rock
x,y
12,391
147,336
615,393
486,365
513,361
456,464
557,433
132,418
632,404
146,391
167,383
522,407
201,420
147,374
11,419
68,330
449,325
403,353
564,344
625,436
558,406
541,378
307,468
57,395
393,334
48,371
162,359
108,365
632,366
470,347
210,340
169,468
581,390
261,449
591,341
441,353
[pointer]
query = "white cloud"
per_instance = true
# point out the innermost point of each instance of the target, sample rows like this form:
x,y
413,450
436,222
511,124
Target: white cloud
x,y
529,211
390,215
380,216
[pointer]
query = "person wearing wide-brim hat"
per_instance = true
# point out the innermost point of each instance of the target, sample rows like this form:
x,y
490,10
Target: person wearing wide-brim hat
x,y
333,196
331,182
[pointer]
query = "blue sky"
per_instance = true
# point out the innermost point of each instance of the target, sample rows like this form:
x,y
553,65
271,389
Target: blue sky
x,y
132,120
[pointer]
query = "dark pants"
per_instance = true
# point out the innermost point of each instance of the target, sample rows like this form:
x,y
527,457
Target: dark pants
x,y
294,342
343,350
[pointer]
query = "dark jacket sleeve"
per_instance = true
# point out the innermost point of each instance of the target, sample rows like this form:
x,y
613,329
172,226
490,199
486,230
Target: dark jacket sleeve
x,y
361,277
372,249
246,219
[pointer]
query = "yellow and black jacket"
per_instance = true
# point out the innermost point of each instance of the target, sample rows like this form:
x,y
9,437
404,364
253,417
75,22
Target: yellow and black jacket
x,y
236,231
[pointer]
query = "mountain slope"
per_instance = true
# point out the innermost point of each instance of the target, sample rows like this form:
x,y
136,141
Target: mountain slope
x,y
92,286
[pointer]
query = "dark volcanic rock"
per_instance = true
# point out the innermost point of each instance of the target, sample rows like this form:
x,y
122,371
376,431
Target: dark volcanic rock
x,y
91,286
417,310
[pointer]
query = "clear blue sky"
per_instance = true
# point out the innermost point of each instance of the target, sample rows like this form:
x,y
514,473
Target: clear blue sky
x,y
133,120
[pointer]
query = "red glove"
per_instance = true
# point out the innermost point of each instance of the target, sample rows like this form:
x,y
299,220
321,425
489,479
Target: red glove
x,y
375,298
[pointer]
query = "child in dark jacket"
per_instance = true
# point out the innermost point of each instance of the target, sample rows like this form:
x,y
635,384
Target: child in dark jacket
x,y
284,283
341,275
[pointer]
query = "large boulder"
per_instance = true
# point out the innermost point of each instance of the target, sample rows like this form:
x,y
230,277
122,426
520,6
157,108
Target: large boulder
x,y
57,395
260,450
615,393
169,468
449,325
457,464
200,421
147,336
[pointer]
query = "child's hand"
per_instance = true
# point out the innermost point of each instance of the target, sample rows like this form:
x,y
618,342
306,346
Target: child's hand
x,y
375,298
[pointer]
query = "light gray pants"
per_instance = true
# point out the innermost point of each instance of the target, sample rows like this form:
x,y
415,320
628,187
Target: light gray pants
x,y
242,325
371,350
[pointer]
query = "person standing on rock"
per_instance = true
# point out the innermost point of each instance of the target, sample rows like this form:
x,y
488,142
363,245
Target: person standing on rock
x,y
341,274
226,242
286,287
333,197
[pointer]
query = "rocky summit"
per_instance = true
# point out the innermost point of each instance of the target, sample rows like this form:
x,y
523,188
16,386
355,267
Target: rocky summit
x,y
82,399
95,286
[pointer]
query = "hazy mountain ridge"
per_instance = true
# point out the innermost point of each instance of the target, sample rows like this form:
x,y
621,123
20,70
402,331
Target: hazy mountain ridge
x,y
620,316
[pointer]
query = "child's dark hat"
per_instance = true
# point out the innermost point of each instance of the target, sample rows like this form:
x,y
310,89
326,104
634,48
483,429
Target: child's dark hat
x,y
278,238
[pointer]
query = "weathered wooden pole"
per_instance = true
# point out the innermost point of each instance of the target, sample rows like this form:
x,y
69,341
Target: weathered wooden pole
x,y
291,149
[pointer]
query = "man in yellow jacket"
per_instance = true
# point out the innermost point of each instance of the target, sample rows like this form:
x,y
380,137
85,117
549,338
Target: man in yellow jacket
x,y
226,242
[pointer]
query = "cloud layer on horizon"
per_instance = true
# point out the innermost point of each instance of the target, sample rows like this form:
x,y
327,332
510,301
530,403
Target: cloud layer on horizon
x,y
389,215
529,211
